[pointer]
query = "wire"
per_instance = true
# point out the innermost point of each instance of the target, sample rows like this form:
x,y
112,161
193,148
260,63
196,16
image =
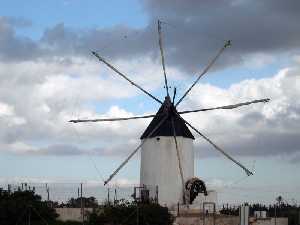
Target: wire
x,y
89,156
79,138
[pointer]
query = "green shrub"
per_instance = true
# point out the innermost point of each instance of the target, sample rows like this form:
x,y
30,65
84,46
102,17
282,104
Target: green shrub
x,y
131,213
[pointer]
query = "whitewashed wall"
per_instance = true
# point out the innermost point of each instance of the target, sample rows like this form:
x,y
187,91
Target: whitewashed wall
x,y
159,166
72,214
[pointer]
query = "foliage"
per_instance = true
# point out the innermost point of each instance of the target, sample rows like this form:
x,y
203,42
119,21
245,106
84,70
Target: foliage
x,y
89,202
18,206
129,213
65,223
233,211
281,209
285,210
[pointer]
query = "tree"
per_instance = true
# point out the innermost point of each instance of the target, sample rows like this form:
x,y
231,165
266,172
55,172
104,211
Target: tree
x,y
125,212
279,199
19,206
89,202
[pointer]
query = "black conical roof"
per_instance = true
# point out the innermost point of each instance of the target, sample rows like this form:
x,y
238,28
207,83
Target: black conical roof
x,y
165,128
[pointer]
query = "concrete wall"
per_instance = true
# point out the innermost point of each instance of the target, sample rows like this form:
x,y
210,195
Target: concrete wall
x,y
201,198
269,221
226,220
71,214
219,220
191,218
159,166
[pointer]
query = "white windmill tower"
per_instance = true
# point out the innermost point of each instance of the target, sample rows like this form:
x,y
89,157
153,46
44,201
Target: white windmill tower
x,y
167,155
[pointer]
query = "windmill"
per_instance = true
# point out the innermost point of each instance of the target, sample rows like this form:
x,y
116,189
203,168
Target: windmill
x,y
167,156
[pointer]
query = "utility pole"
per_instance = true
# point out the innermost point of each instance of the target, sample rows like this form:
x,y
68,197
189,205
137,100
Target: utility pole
x,y
48,194
81,204
29,215
115,197
298,216
108,201
137,213
156,194
275,214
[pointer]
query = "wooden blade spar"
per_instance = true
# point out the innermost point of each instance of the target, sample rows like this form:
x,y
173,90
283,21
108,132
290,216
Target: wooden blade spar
x,y
162,55
265,100
111,119
248,172
227,44
101,59
179,160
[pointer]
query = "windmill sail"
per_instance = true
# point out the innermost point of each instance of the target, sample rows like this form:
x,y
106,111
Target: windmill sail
x,y
227,106
101,59
179,160
111,119
162,55
227,44
248,172
160,164
181,112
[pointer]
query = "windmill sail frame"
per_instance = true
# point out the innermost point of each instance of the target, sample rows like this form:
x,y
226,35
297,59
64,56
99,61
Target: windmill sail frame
x,y
170,111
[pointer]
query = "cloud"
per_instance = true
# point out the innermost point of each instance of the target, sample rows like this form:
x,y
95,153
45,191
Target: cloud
x,y
257,130
192,33
254,27
13,47
6,110
38,98
35,116
46,82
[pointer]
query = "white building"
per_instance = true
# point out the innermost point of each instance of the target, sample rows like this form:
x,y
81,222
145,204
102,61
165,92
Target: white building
x,y
159,161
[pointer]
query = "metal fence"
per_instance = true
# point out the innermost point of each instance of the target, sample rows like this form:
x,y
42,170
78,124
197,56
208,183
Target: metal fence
x,y
62,192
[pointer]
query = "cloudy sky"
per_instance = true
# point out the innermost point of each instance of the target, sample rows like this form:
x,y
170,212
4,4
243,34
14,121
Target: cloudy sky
x,y
48,76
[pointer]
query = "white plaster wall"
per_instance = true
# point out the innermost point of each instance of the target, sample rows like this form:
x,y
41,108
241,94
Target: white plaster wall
x,y
225,220
271,221
159,166
201,198
71,214
198,220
